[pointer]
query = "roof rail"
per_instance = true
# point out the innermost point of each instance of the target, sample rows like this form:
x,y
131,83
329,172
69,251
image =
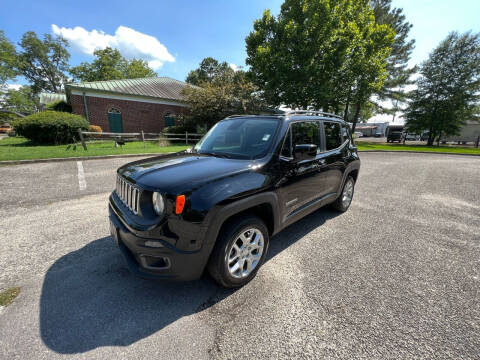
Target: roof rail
x,y
251,115
312,113
238,115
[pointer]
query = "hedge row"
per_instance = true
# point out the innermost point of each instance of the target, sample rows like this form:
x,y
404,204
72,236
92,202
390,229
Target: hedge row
x,y
50,127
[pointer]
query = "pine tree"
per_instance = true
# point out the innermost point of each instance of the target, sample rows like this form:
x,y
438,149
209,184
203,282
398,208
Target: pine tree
x,y
397,63
448,89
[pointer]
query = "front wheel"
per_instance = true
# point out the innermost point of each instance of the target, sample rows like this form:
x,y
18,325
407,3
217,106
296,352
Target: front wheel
x,y
239,252
345,199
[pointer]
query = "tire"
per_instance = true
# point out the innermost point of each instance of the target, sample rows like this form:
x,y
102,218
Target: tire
x,y
341,204
221,266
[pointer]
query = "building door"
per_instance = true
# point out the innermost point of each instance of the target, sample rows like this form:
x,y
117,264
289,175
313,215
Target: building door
x,y
169,120
115,120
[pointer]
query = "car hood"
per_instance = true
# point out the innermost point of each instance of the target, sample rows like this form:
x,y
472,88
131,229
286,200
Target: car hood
x,y
177,172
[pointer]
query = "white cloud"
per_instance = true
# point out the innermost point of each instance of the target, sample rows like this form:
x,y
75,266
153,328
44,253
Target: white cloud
x,y
14,86
234,67
129,42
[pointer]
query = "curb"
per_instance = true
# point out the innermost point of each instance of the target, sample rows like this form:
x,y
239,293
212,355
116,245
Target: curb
x,y
83,158
78,158
416,152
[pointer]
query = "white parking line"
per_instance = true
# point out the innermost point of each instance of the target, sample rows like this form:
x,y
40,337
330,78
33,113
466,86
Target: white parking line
x,y
82,183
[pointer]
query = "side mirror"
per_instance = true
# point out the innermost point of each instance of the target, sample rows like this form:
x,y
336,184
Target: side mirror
x,y
304,152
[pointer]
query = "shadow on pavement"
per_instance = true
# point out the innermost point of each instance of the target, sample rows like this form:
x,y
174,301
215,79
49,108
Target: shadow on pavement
x,y
89,299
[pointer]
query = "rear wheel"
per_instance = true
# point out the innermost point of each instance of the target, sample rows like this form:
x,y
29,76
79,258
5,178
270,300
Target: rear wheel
x,y
239,252
345,199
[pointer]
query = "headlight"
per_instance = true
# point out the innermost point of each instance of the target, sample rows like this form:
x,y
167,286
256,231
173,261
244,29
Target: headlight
x,y
158,203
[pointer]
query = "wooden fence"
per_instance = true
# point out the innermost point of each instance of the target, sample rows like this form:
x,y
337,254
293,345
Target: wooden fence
x,y
122,138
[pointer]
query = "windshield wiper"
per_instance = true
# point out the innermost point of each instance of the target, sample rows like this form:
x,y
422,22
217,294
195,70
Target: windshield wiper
x,y
220,155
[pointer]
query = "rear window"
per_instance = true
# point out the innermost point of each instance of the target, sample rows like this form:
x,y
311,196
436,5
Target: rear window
x,y
333,136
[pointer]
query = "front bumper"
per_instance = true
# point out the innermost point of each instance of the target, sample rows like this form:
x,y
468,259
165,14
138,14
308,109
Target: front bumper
x,y
155,259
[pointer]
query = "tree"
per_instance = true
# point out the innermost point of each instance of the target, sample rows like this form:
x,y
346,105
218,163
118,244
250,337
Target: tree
x,y
320,53
109,64
210,70
448,89
138,68
22,101
222,92
43,62
397,63
8,60
365,69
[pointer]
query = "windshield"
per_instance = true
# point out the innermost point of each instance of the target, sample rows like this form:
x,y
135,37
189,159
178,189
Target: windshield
x,y
247,138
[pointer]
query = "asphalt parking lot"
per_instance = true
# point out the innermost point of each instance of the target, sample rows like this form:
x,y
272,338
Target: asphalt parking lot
x,y
396,277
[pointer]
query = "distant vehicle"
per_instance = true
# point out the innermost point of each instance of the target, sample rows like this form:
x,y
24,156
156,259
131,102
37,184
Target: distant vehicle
x,y
394,136
5,129
411,137
378,134
424,136
395,133
358,134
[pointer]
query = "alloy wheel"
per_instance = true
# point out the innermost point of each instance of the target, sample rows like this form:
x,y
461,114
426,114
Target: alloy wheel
x,y
245,253
347,194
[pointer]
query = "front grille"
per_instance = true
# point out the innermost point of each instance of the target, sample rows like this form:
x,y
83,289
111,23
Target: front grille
x,y
128,193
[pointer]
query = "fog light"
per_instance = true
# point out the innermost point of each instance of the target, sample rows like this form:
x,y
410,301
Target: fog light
x,y
154,244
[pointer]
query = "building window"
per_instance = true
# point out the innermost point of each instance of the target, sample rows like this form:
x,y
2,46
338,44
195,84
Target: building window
x,y
114,110
169,120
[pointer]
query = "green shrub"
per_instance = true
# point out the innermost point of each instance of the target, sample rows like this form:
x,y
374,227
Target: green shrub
x,y
7,118
59,105
50,127
95,128
176,129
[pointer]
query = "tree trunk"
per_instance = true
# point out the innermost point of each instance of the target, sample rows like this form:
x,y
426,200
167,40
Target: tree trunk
x,y
347,105
430,137
345,114
358,107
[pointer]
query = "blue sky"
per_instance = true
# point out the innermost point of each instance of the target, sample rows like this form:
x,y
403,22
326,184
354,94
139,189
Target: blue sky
x,y
174,36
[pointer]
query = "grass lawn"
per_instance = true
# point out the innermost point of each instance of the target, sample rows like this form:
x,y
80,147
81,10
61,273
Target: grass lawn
x,y
7,296
424,148
18,148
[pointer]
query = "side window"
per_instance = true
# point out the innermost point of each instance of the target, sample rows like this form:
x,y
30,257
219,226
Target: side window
x,y
333,136
287,144
307,132
346,132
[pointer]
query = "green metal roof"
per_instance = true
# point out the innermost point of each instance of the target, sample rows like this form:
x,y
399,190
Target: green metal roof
x,y
157,87
48,98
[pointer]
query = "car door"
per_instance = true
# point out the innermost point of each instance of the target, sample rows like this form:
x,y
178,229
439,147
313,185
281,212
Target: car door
x,y
335,152
300,181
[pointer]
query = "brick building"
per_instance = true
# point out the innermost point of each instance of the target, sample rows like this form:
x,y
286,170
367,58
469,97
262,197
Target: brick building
x,y
128,105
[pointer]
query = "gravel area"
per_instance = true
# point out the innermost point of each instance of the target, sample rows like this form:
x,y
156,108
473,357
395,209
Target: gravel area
x,y
396,277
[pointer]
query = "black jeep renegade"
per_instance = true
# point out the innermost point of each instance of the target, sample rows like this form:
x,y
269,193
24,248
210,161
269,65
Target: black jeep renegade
x,y
217,205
